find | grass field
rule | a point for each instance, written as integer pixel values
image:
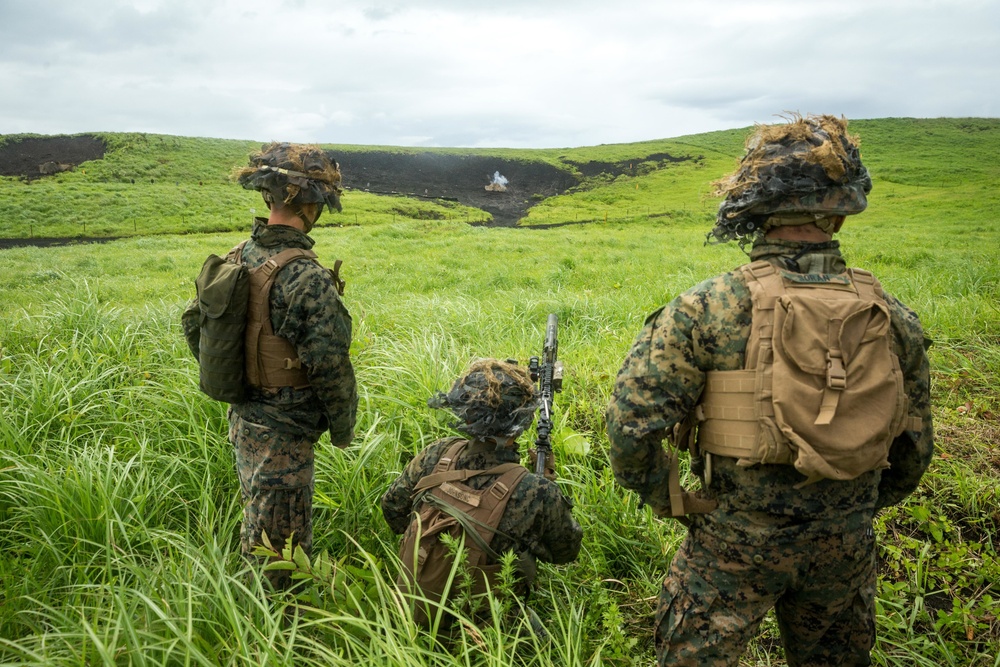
(119, 507)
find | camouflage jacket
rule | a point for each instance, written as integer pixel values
(305, 309)
(538, 517)
(662, 379)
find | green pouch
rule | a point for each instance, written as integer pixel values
(223, 292)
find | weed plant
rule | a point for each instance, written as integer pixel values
(119, 506)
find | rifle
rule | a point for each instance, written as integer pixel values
(548, 373)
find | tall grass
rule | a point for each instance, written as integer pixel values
(119, 503)
(119, 506)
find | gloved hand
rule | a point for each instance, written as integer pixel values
(550, 463)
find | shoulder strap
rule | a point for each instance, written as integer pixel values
(271, 360)
(496, 495)
(439, 478)
(444, 469)
(766, 287)
(269, 270)
(236, 254)
(447, 461)
(867, 284)
(338, 282)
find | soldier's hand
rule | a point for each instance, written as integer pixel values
(550, 463)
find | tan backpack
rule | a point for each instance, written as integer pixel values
(451, 507)
(821, 389)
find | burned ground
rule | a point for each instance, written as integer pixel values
(633, 166)
(30, 158)
(462, 178)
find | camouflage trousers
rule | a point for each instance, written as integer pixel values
(716, 594)
(275, 470)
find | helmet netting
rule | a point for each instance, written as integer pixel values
(809, 165)
(492, 398)
(294, 174)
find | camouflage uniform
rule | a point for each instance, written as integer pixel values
(273, 433)
(808, 552)
(538, 516)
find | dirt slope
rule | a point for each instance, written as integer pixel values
(460, 177)
(32, 157)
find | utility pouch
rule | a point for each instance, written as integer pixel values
(223, 292)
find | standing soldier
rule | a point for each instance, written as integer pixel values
(477, 486)
(801, 391)
(299, 381)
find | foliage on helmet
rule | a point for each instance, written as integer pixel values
(295, 174)
(809, 165)
(492, 398)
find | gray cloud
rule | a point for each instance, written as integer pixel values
(454, 73)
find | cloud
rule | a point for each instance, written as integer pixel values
(453, 73)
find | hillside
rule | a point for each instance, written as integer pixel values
(117, 176)
(124, 184)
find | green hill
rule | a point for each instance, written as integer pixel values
(154, 184)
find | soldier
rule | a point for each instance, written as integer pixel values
(802, 392)
(495, 402)
(300, 382)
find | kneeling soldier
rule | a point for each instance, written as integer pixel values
(476, 486)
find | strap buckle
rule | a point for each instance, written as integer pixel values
(499, 490)
(268, 267)
(836, 375)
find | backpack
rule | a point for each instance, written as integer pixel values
(237, 346)
(821, 388)
(450, 507)
(223, 286)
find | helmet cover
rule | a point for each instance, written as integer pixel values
(809, 167)
(295, 174)
(492, 398)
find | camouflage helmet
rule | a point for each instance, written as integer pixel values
(805, 170)
(295, 174)
(492, 398)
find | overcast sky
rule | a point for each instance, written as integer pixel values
(520, 73)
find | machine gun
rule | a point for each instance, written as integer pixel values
(547, 372)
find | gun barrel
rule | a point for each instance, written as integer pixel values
(551, 338)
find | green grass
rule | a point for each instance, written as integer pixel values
(119, 506)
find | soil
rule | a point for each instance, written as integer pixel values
(27, 158)
(461, 178)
